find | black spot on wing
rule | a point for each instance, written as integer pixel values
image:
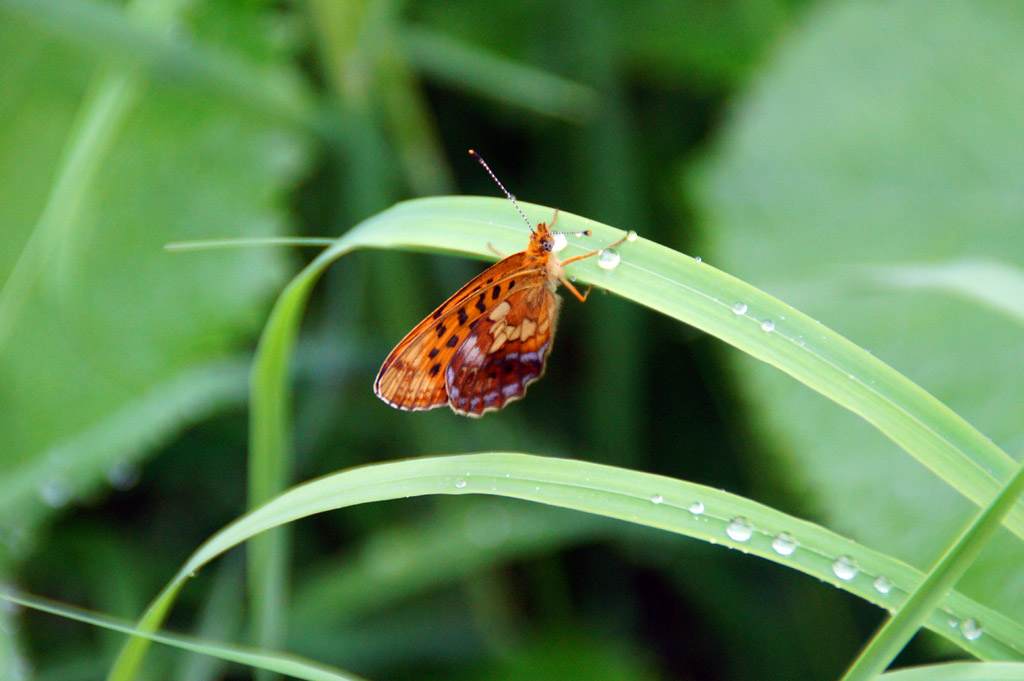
(453, 341)
(463, 317)
(481, 303)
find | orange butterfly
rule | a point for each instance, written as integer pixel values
(489, 341)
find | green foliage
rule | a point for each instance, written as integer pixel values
(885, 177)
(856, 160)
(108, 346)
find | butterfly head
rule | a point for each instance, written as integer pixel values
(542, 240)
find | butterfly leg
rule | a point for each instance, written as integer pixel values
(494, 250)
(592, 253)
(582, 297)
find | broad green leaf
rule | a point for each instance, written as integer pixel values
(880, 147)
(112, 344)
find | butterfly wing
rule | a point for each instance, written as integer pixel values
(506, 351)
(413, 377)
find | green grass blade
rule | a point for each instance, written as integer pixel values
(654, 501)
(960, 671)
(106, 107)
(897, 632)
(212, 244)
(270, 450)
(219, 619)
(284, 663)
(995, 284)
(104, 30)
(741, 315)
(467, 66)
(661, 279)
(270, 453)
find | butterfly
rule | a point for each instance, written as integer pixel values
(481, 349)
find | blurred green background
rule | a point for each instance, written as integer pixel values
(861, 160)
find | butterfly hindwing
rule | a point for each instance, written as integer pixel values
(505, 352)
(413, 375)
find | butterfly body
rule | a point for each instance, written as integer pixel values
(483, 346)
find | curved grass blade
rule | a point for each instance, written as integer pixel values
(664, 280)
(743, 316)
(897, 632)
(995, 284)
(283, 663)
(512, 83)
(654, 501)
(960, 671)
(104, 30)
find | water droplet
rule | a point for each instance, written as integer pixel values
(123, 475)
(953, 623)
(698, 258)
(560, 243)
(971, 629)
(740, 308)
(784, 544)
(697, 507)
(767, 325)
(845, 568)
(740, 529)
(460, 483)
(54, 493)
(882, 585)
(608, 259)
(631, 235)
(572, 279)
(657, 499)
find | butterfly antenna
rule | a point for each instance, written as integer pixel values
(494, 177)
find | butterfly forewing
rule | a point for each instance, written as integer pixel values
(414, 376)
